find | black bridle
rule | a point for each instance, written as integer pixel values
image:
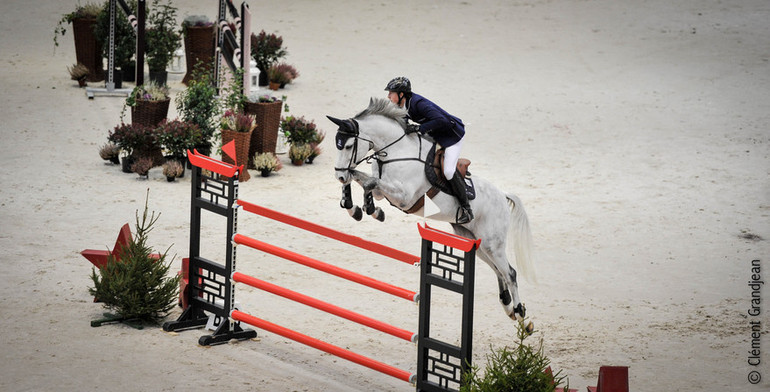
(350, 129)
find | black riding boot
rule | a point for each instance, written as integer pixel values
(464, 214)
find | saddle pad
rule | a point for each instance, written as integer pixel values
(436, 178)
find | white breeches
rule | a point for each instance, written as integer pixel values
(451, 155)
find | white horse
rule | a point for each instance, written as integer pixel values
(398, 167)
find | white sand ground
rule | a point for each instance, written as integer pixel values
(635, 132)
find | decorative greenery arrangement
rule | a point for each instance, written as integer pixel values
(162, 40)
(88, 11)
(172, 169)
(131, 137)
(266, 49)
(178, 136)
(521, 368)
(78, 72)
(267, 162)
(197, 104)
(238, 122)
(137, 286)
(298, 130)
(125, 37)
(110, 152)
(195, 21)
(262, 98)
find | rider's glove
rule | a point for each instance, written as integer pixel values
(412, 128)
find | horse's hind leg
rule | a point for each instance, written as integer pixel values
(493, 253)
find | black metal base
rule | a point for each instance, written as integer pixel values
(223, 334)
(189, 319)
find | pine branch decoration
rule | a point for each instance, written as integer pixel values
(137, 286)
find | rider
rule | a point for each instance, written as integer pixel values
(445, 129)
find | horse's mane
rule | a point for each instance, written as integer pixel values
(384, 107)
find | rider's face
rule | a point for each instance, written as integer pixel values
(393, 96)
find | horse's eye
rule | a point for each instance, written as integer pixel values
(349, 147)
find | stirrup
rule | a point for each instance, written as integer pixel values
(463, 215)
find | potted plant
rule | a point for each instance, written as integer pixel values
(315, 145)
(162, 40)
(149, 103)
(266, 49)
(267, 113)
(238, 127)
(88, 48)
(110, 152)
(125, 40)
(137, 141)
(299, 153)
(277, 78)
(142, 166)
(284, 73)
(177, 137)
(79, 72)
(172, 169)
(198, 104)
(267, 163)
(199, 43)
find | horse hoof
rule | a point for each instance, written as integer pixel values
(379, 214)
(529, 327)
(356, 213)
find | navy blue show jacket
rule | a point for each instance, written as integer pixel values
(443, 127)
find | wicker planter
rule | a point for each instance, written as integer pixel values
(88, 48)
(242, 140)
(149, 113)
(199, 46)
(268, 119)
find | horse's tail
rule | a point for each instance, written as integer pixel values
(520, 239)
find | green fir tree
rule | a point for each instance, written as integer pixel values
(518, 369)
(137, 286)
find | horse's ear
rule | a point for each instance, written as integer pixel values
(371, 101)
(336, 121)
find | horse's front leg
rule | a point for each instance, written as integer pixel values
(369, 184)
(347, 203)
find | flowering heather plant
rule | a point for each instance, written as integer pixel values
(142, 166)
(172, 169)
(238, 122)
(300, 152)
(288, 70)
(149, 91)
(267, 161)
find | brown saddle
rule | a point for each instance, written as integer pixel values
(438, 164)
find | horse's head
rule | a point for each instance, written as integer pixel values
(374, 128)
(351, 149)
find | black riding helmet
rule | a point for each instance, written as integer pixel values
(399, 85)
